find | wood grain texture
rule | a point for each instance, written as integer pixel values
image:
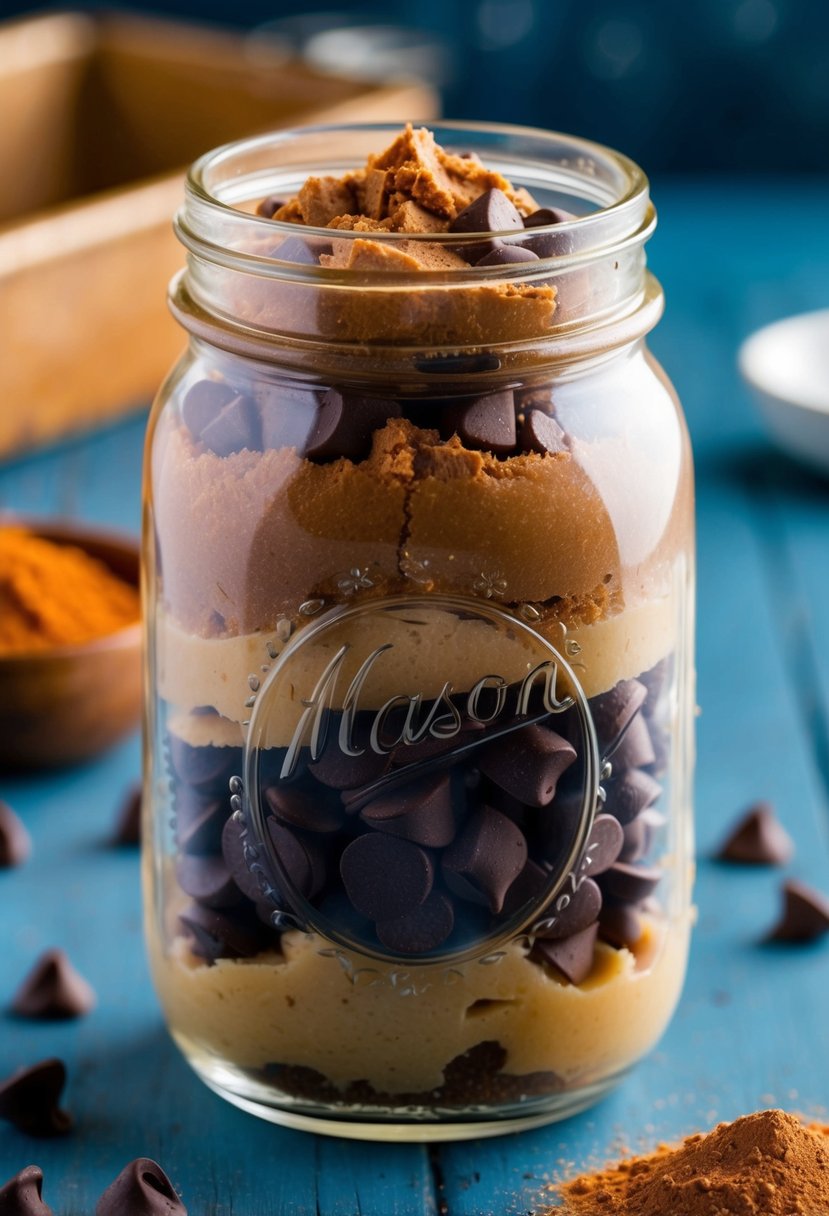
(751, 1028)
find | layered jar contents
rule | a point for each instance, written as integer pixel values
(420, 654)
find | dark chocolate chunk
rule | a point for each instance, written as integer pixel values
(506, 255)
(345, 424)
(203, 403)
(485, 423)
(805, 915)
(635, 750)
(128, 818)
(628, 795)
(246, 869)
(556, 829)
(141, 1189)
(235, 428)
(421, 812)
(207, 768)
(639, 835)
(269, 206)
(614, 711)
(199, 821)
(29, 1099)
(541, 433)
(620, 925)
(424, 929)
(571, 912)
(15, 842)
(456, 365)
(289, 415)
(630, 884)
(527, 763)
(604, 846)
(386, 877)
(301, 857)
(22, 1195)
(231, 933)
(758, 839)
(547, 215)
(430, 746)
(341, 772)
(300, 809)
(53, 989)
(489, 212)
(572, 956)
(486, 858)
(207, 880)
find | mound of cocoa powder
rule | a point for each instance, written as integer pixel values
(766, 1164)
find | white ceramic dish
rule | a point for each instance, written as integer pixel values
(787, 366)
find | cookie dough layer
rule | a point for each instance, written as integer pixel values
(192, 671)
(301, 1008)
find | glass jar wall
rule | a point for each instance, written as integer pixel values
(419, 572)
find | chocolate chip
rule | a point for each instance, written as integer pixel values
(485, 423)
(29, 1099)
(541, 433)
(547, 215)
(630, 884)
(527, 763)
(620, 925)
(571, 912)
(507, 255)
(341, 772)
(526, 888)
(572, 956)
(269, 206)
(128, 818)
(635, 750)
(300, 856)
(345, 425)
(490, 212)
(604, 845)
(235, 428)
(199, 821)
(232, 933)
(299, 809)
(15, 842)
(22, 1195)
(456, 365)
(424, 929)
(53, 989)
(628, 795)
(805, 915)
(613, 712)
(300, 252)
(758, 839)
(289, 415)
(639, 835)
(208, 768)
(421, 812)
(141, 1189)
(430, 747)
(207, 880)
(243, 860)
(386, 877)
(486, 858)
(203, 403)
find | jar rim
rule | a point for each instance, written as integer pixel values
(217, 182)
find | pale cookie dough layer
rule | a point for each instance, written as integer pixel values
(302, 1009)
(193, 671)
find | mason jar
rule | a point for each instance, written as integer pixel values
(419, 575)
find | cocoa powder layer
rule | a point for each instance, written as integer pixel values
(766, 1164)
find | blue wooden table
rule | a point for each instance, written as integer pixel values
(752, 1029)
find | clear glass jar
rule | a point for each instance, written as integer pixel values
(419, 584)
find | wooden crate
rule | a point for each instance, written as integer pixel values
(101, 115)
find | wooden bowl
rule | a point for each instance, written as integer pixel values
(70, 703)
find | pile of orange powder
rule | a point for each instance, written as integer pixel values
(57, 595)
